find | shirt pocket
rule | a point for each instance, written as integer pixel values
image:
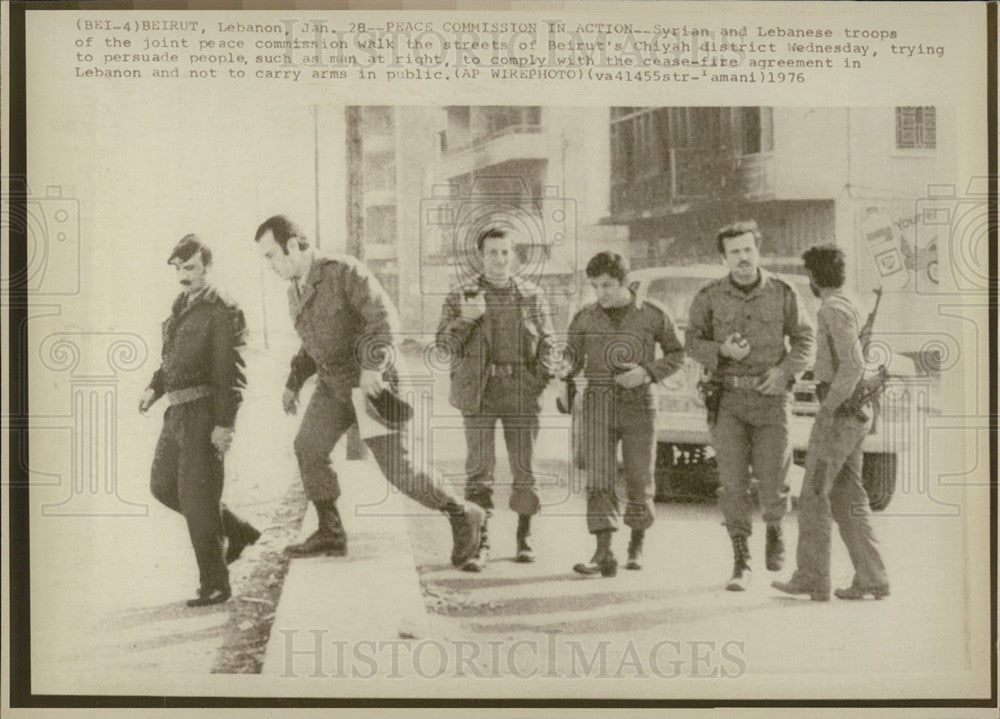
(725, 321)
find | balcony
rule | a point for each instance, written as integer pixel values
(513, 142)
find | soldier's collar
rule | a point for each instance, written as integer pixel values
(185, 301)
(315, 271)
(763, 280)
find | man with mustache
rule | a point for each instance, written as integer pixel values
(737, 330)
(203, 377)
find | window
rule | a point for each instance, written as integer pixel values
(916, 128)
(756, 130)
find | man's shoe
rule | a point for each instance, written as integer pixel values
(240, 542)
(467, 524)
(816, 595)
(606, 567)
(318, 544)
(635, 550)
(477, 562)
(207, 597)
(525, 555)
(741, 566)
(774, 552)
(854, 592)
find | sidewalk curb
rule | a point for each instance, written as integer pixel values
(372, 594)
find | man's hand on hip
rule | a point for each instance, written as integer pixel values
(775, 381)
(290, 401)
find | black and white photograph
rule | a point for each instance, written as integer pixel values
(496, 380)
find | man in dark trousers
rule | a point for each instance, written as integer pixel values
(344, 317)
(613, 341)
(832, 486)
(495, 328)
(737, 329)
(202, 375)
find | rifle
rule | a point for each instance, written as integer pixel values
(870, 386)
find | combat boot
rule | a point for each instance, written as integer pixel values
(635, 549)
(524, 552)
(329, 538)
(741, 565)
(603, 562)
(467, 522)
(774, 551)
(477, 561)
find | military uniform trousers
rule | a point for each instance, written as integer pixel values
(832, 488)
(751, 430)
(612, 415)
(329, 415)
(514, 402)
(187, 476)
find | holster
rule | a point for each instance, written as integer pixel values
(711, 390)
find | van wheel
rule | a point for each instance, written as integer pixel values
(878, 475)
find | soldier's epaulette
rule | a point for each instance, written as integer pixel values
(712, 284)
(782, 281)
(223, 299)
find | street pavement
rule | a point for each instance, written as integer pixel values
(108, 593)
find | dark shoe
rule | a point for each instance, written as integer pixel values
(606, 567)
(239, 542)
(774, 552)
(318, 544)
(467, 525)
(816, 595)
(525, 555)
(741, 566)
(635, 550)
(854, 592)
(207, 597)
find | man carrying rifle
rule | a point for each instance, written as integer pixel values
(832, 485)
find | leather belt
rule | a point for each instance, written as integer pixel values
(504, 370)
(189, 394)
(746, 381)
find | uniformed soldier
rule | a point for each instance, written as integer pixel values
(613, 341)
(832, 486)
(495, 328)
(343, 317)
(737, 329)
(202, 375)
